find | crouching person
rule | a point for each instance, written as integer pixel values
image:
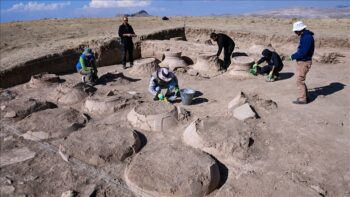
(86, 66)
(164, 79)
(273, 67)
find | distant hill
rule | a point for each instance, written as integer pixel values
(136, 14)
(140, 13)
(306, 12)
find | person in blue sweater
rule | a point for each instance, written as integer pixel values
(303, 56)
(164, 79)
(86, 66)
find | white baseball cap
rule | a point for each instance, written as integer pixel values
(163, 74)
(298, 26)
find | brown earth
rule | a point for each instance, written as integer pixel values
(294, 150)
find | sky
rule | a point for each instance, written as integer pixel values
(23, 10)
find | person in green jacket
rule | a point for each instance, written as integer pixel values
(86, 66)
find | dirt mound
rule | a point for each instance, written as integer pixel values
(172, 170)
(114, 101)
(154, 116)
(70, 96)
(207, 65)
(22, 107)
(144, 67)
(173, 61)
(223, 137)
(43, 80)
(56, 123)
(102, 144)
(261, 104)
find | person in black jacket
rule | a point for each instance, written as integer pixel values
(227, 43)
(126, 32)
(273, 67)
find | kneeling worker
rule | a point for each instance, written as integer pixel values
(273, 67)
(164, 79)
(87, 66)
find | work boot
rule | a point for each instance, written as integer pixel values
(299, 102)
(83, 79)
(131, 64)
(124, 66)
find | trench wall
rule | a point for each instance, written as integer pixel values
(109, 52)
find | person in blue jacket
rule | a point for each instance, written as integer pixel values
(303, 56)
(86, 66)
(164, 79)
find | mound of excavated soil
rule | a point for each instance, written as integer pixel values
(155, 116)
(76, 94)
(22, 107)
(173, 60)
(144, 67)
(102, 104)
(102, 144)
(43, 80)
(219, 136)
(154, 108)
(55, 122)
(172, 170)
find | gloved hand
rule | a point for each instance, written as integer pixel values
(270, 75)
(176, 90)
(253, 70)
(161, 97)
(270, 79)
(290, 57)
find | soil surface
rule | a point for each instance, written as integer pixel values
(294, 150)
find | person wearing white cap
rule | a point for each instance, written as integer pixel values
(86, 66)
(303, 56)
(164, 79)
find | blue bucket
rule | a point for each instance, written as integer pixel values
(187, 96)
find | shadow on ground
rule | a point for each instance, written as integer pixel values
(287, 75)
(325, 90)
(110, 77)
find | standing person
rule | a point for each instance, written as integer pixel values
(164, 79)
(126, 32)
(273, 67)
(86, 66)
(303, 56)
(224, 41)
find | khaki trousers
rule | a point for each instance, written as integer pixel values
(302, 69)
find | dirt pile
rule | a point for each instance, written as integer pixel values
(108, 104)
(223, 137)
(144, 67)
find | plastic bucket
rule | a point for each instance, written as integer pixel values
(187, 96)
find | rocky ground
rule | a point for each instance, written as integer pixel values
(59, 136)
